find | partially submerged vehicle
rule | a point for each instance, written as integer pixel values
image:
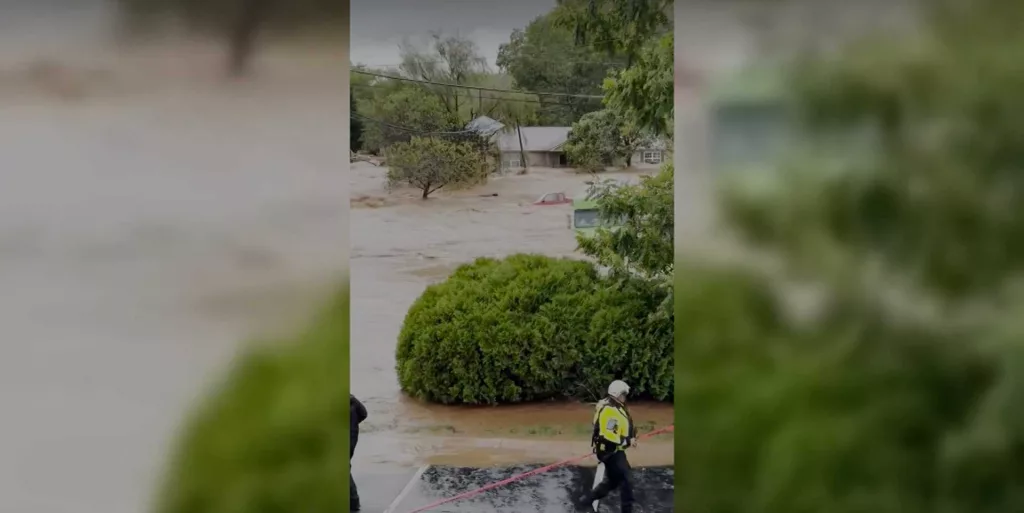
(553, 198)
(585, 218)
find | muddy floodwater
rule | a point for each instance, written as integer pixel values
(401, 244)
(148, 226)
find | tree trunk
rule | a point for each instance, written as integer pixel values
(243, 34)
(426, 192)
(629, 159)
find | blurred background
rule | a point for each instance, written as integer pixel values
(172, 185)
(848, 256)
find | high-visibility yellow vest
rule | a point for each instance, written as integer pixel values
(611, 427)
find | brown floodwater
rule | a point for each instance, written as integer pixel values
(399, 245)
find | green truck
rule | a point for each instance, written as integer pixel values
(584, 219)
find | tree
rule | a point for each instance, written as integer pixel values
(508, 108)
(529, 328)
(644, 93)
(602, 138)
(400, 114)
(594, 141)
(431, 163)
(615, 27)
(238, 22)
(450, 60)
(355, 126)
(643, 243)
(544, 57)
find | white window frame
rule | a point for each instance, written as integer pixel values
(510, 163)
(655, 156)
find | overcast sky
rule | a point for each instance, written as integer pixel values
(378, 26)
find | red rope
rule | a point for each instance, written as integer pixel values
(524, 475)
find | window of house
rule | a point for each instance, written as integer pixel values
(513, 163)
(652, 157)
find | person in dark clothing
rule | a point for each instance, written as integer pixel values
(357, 414)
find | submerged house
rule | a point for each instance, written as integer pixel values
(542, 146)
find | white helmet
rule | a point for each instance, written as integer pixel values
(618, 388)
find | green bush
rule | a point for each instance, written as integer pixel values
(274, 436)
(529, 328)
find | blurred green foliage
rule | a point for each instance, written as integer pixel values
(865, 404)
(273, 437)
(531, 327)
(938, 202)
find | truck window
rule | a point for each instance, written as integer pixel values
(586, 218)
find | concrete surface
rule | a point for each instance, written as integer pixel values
(550, 492)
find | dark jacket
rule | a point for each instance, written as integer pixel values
(357, 414)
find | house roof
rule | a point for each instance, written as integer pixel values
(535, 138)
(484, 125)
(657, 144)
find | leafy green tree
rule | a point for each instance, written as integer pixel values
(615, 27)
(355, 126)
(401, 114)
(643, 243)
(531, 327)
(594, 141)
(431, 163)
(509, 108)
(545, 57)
(601, 139)
(644, 93)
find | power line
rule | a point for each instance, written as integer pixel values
(407, 129)
(475, 88)
(440, 60)
(471, 96)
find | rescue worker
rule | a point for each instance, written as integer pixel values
(357, 414)
(614, 432)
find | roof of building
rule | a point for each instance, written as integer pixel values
(485, 126)
(535, 138)
(655, 145)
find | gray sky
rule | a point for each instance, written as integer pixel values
(378, 26)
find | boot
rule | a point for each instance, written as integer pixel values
(584, 504)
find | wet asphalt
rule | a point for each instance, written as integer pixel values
(550, 492)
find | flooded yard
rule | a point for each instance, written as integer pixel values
(401, 244)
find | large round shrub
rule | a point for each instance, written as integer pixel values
(531, 327)
(274, 436)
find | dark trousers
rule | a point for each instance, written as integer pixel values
(617, 474)
(353, 492)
